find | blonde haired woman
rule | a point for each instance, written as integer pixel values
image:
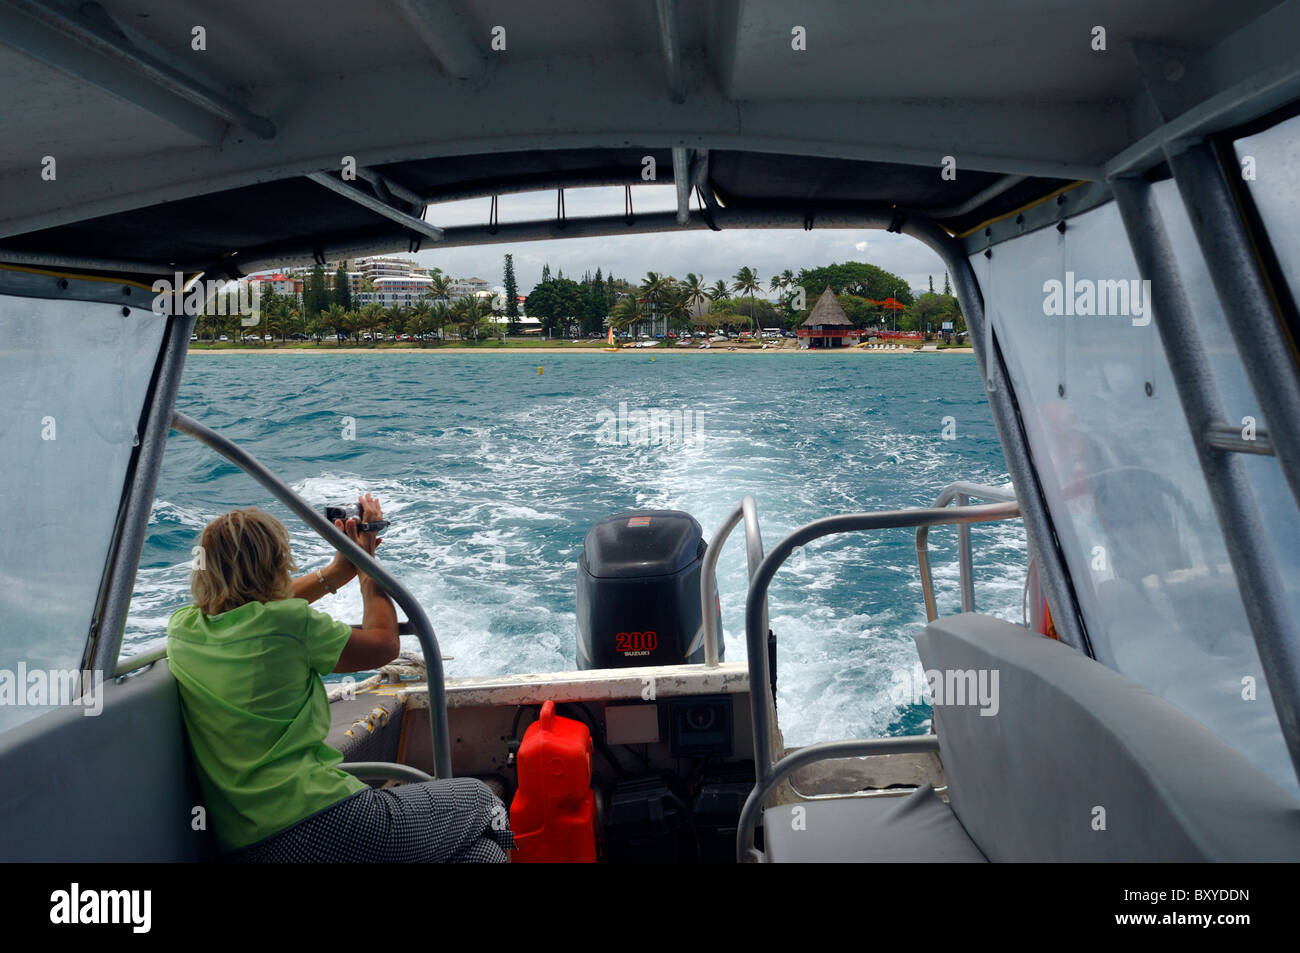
(249, 656)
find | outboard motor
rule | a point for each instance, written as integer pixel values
(639, 591)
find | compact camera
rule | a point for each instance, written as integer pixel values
(353, 511)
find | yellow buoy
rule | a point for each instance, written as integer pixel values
(652, 358)
(539, 369)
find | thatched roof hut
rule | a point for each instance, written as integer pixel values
(827, 313)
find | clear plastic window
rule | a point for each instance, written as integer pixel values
(73, 379)
(1121, 474)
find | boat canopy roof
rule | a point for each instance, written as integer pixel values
(222, 137)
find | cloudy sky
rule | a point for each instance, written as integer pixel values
(715, 255)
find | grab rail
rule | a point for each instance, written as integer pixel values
(961, 493)
(133, 662)
(747, 509)
(362, 560)
(766, 774)
(825, 751)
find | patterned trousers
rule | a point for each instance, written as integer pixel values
(456, 821)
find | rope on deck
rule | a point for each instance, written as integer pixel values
(408, 666)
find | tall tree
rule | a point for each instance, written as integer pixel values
(512, 296)
(370, 317)
(694, 288)
(546, 272)
(931, 284)
(947, 285)
(440, 287)
(336, 319)
(655, 289)
(746, 282)
(315, 297)
(342, 288)
(420, 320)
(395, 319)
(855, 278)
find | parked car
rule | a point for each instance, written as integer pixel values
(223, 338)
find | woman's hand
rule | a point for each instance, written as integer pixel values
(370, 513)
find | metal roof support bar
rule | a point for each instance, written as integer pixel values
(383, 184)
(133, 522)
(115, 265)
(444, 27)
(60, 38)
(1003, 184)
(671, 44)
(358, 557)
(1263, 593)
(1249, 301)
(682, 162)
(418, 225)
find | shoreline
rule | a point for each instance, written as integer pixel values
(654, 352)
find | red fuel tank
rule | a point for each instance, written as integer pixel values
(553, 814)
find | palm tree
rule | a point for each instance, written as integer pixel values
(787, 283)
(468, 313)
(335, 318)
(678, 304)
(370, 317)
(718, 292)
(395, 319)
(694, 288)
(627, 311)
(440, 315)
(746, 282)
(778, 283)
(421, 320)
(654, 287)
(440, 286)
(277, 322)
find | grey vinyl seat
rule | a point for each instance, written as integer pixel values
(917, 827)
(1076, 764)
(117, 786)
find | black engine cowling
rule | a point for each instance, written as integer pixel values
(639, 591)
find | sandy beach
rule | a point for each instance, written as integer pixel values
(653, 352)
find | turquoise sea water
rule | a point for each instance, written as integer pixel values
(493, 473)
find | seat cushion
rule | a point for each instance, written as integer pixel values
(917, 828)
(1070, 761)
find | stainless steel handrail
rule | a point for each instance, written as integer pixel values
(761, 713)
(748, 510)
(364, 563)
(826, 751)
(383, 771)
(961, 492)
